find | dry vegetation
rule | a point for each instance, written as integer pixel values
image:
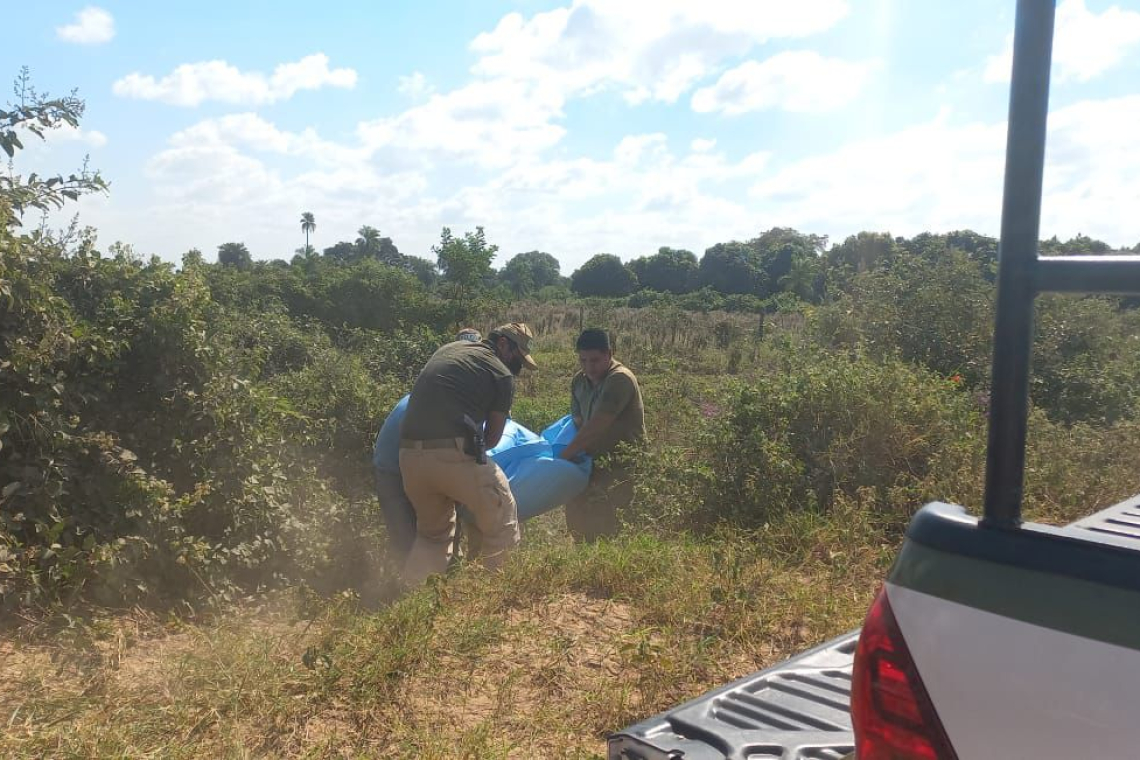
(543, 660)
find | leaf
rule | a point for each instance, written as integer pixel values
(10, 489)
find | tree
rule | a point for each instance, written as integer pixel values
(192, 258)
(670, 270)
(424, 270)
(730, 268)
(529, 272)
(1081, 245)
(343, 251)
(372, 245)
(804, 279)
(981, 249)
(308, 224)
(369, 239)
(779, 250)
(234, 255)
(36, 113)
(465, 262)
(758, 266)
(863, 252)
(604, 275)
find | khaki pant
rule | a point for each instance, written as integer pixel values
(593, 514)
(435, 480)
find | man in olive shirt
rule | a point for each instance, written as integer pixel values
(605, 401)
(399, 516)
(438, 466)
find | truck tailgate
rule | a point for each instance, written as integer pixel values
(797, 710)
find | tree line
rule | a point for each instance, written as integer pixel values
(780, 266)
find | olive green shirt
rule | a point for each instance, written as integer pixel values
(619, 394)
(460, 378)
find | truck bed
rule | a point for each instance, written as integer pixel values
(798, 709)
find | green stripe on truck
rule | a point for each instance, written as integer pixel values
(1050, 600)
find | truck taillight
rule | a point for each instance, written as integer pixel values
(892, 714)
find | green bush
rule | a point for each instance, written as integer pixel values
(1086, 358)
(156, 444)
(820, 426)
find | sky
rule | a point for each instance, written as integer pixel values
(574, 127)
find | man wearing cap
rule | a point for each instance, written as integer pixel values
(461, 381)
(605, 401)
(399, 517)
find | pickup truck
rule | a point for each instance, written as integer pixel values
(990, 638)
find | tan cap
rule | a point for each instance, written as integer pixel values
(522, 336)
(469, 334)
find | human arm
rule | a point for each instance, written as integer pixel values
(499, 411)
(616, 394)
(588, 436)
(575, 408)
(493, 429)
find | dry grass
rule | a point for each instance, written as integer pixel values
(542, 660)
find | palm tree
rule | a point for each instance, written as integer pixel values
(369, 240)
(308, 224)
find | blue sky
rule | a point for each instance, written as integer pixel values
(573, 127)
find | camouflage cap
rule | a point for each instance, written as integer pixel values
(522, 336)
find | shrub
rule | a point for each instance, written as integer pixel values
(827, 424)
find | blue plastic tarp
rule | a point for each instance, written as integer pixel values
(540, 480)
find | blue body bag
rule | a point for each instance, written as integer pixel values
(540, 480)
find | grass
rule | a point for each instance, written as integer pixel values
(543, 659)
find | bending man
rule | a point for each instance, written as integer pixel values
(462, 380)
(399, 516)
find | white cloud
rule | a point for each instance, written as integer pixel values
(193, 83)
(641, 198)
(1092, 170)
(241, 177)
(238, 176)
(250, 131)
(90, 137)
(415, 86)
(529, 68)
(1085, 44)
(927, 177)
(702, 145)
(488, 122)
(940, 176)
(799, 80)
(63, 133)
(633, 46)
(93, 26)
